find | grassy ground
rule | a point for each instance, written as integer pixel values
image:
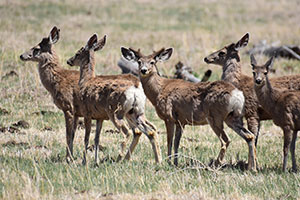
(32, 162)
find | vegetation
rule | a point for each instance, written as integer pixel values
(32, 160)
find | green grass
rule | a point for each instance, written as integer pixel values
(32, 162)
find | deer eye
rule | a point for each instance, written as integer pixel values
(36, 52)
(152, 62)
(139, 62)
(221, 54)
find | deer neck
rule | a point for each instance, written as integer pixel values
(87, 69)
(267, 96)
(152, 86)
(49, 69)
(232, 71)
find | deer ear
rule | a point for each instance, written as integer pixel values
(164, 55)
(269, 63)
(242, 42)
(253, 61)
(91, 42)
(128, 54)
(100, 44)
(54, 35)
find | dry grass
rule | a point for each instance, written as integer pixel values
(32, 162)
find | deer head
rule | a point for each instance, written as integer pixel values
(230, 51)
(260, 72)
(83, 55)
(147, 64)
(42, 51)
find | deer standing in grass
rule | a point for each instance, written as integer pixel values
(61, 83)
(180, 103)
(111, 97)
(228, 57)
(282, 105)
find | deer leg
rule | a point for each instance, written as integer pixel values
(136, 137)
(286, 145)
(253, 124)
(236, 124)
(69, 132)
(121, 126)
(218, 128)
(97, 136)
(170, 134)
(292, 149)
(87, 124)
(178, 134)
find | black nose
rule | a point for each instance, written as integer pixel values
(258, 81)
(69, 63)
(143, 71)
(205, 60)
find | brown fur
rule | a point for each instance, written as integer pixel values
(181, 103)
(107, 98)
(61, 83)
(228, 57)
(282, 105)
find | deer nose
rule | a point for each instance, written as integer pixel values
(258, 81)
(206, 60)
(143, 71)
(69, 63)
(21, 57)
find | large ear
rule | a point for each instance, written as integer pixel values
(129, 54)
(269, 63)
(100, 44)
(242, 42)
(54, 35)
(91, 42)
(253, 61)
(164, 55)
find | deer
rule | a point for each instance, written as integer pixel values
(111, 97)
(179, 103)
(61, 83)
(283, 105)
(228, 57)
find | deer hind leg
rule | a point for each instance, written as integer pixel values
(253, 124)
(178, 134)
(218, 128)
(286, 145)
(69, 135)
(293, 146)
(236, 123)
(146, 127)
(97, 136)
(120, 124)
(87, 124)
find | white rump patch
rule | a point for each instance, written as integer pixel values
(236, 102)
(135, 98)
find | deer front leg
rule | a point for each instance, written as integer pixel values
(87, 124)
(97, 136)
(178, 134)
(170, 134)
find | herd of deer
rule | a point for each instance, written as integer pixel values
(177, 102)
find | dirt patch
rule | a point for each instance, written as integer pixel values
(21, 124)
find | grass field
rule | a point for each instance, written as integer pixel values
(32, 160)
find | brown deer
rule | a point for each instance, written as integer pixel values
(283, 106)
(114, 98)
(180, 103)
(228, 57)
(61, 83)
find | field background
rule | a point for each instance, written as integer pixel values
(32, 164)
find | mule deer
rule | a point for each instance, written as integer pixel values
(283, 106)
(180, 103)
(61, 83)
(113, 97)
(228, 57)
